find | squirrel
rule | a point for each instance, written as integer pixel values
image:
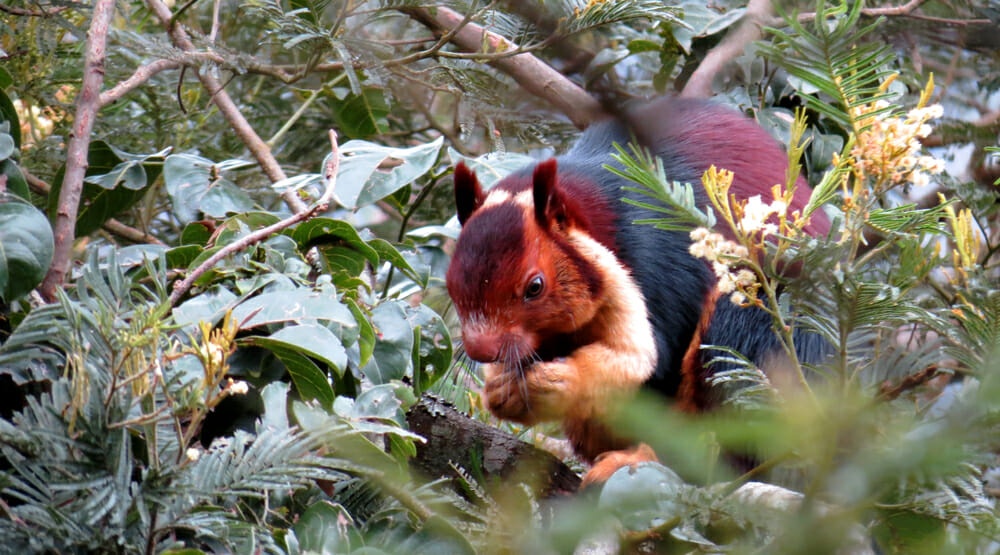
(571, 307)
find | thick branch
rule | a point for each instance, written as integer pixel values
(79, 144)
(455, 440)
(258, 148)
(534, 75)
(731, 47)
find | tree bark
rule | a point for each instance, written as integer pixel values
(485, 452)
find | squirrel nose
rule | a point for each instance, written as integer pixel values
(481, 347)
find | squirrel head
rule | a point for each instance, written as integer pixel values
(520, 286)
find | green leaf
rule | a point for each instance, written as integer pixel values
(16, 183)
(642, 495)
(196, 186)
(7, 146)
(491, 168)
(208, 306)
(327, 527)
(358, 181)
(343, 250)
(26, 247)
(98, 204)
(128, 174)
(366, 333)
(9, 114)
(433, 348)
(388, 252)
(391, 359)
(292, 306)
(359, 116)
(311, 382)
(275, 397)
(313, 340)
(196, 233)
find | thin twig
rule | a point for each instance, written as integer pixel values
(330, 173)
(32, 13)
(142, 74)
(79, 143)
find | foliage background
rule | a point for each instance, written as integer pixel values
(214, 319)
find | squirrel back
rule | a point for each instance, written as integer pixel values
(569, 303)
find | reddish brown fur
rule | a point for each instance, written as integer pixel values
(691, 395)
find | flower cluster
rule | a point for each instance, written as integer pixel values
(887, 147)
(725, 256)
(756, 214)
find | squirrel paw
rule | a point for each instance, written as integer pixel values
(609, 462)
(537, 393)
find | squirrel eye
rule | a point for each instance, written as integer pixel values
(535, 287)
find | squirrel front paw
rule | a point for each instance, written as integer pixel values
(531, 394)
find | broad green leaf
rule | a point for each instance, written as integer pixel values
(128, 174)
(196, 233)
(275, 397)
(388, 252)
(292, 306)
(16, 183)
(359, 116)
(311, 382)
(358, 182)
(643, 495)
(432, 355)
(196, 186)
(391, 359)
(327, 527)
(208, 306)
(366, 333)
(97, 203)
(241, 225)
(316, 341)
(7, 146)
(9, 114)
(26, 247)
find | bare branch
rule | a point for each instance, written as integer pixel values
(32, 13)
(142, 74)
(258, 148)
(535, 76)
(76, 152)
(731, 47)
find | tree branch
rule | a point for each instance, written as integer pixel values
(731, 47)
(32, 13)
(257, 147)
(79, 143)
(535, 76)
(330, 173)
(142, 74)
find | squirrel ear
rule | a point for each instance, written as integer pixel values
(549, 206)
(469, 194)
